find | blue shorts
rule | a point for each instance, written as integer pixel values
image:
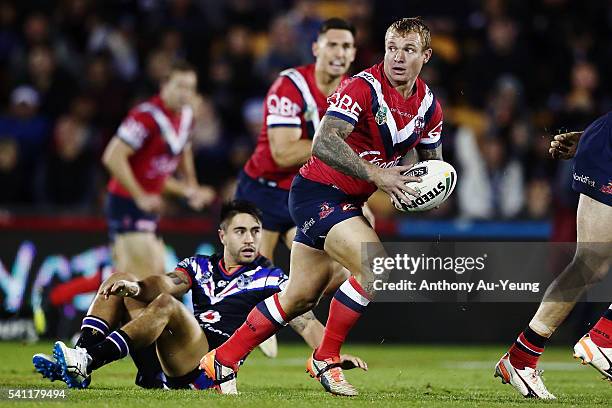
(593, 161)
(123, 215)
(316, 208)
(271, 201)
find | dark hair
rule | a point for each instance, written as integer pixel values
(412, 25)
(336, 23)
(178, 65)
(232, 208)
(181, 65)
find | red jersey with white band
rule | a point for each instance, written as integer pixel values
(386, 124)
(158, 137)
(293, 101)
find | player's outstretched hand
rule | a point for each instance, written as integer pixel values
(200, 196)
(150, 203)
(393, 182)
(349, 362)
(564, 146)
(121, 288)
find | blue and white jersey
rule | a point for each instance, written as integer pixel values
(222, 301)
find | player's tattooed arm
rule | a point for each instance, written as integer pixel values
(430, 154)
(309, 327)
(329, 146)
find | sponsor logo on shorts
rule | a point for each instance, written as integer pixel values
(145, 225)
(325, 210)
(306, 226)
(348, 207)
(210, 316)
(584, 179)
(607, 189)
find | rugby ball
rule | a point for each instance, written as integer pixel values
(438, 182)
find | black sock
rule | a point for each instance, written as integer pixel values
(534, 338)
(149, 373)
(116, 346)
(93, 331)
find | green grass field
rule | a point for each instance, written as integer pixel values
(399, 376)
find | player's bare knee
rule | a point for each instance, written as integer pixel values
(302, 302)
(593, 265)
(164, 303)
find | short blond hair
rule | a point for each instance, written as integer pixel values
(411, 25)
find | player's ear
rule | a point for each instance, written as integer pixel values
(315, 48)
(427, 54)
(221, 235)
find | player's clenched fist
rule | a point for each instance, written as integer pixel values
(564, 146)
(121, 288)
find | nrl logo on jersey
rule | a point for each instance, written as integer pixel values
(381, 116)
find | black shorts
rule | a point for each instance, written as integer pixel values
(593, 161)
(271, 201)
(316, 208)
(123, 215)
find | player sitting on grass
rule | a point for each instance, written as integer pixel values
(224, 290)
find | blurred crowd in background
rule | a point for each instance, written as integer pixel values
(509, 75)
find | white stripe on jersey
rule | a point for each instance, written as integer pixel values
(408, 130)
(132, 132)
(344, 112)
(175, 140)
(277, 120)
(311, 106)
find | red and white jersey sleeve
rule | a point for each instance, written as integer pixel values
(284, 104)
(350, 101)
(136, 128)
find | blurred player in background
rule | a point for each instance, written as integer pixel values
(225, 287)
(374, 119)
(151, 143)
(293, 109)
(592, 153)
